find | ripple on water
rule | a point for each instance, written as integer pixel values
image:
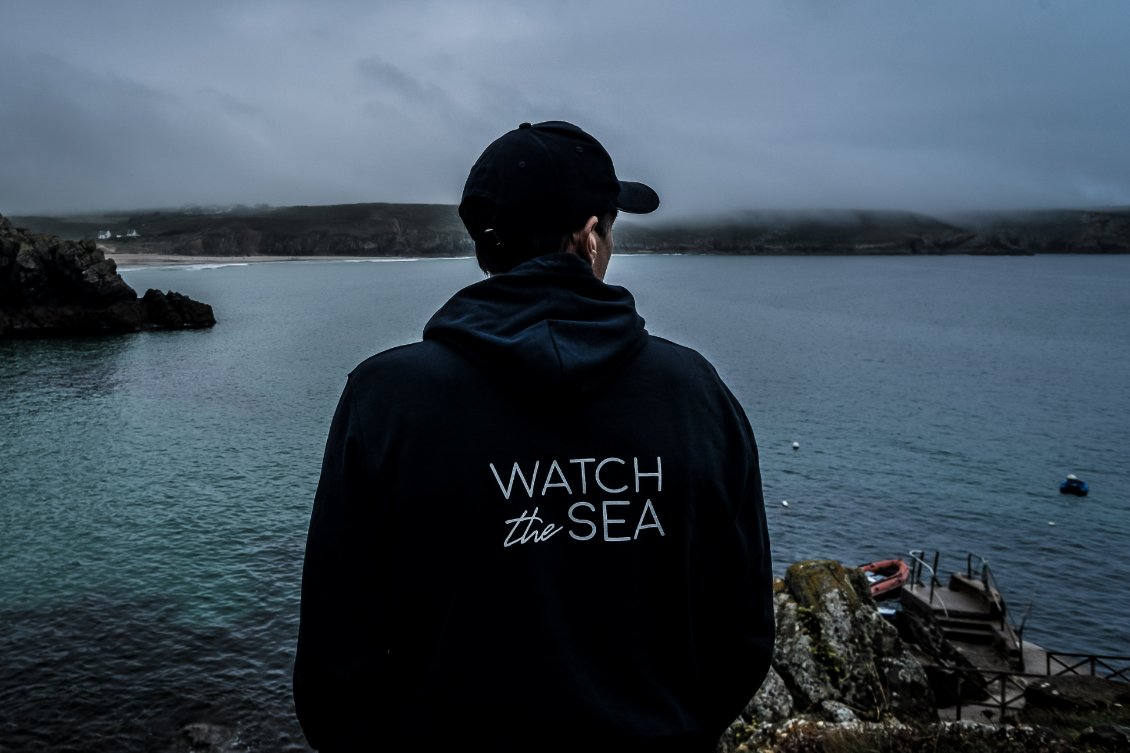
(128, 675)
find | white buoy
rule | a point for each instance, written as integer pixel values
(784, 503)
(796, 445)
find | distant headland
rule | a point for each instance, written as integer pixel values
(433, 230)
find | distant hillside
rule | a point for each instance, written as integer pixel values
(337, 230)
(889, 232)
(435, 230)
(801, 232)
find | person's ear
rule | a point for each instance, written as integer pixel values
(584, 241)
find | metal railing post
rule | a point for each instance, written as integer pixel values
(1004, 699)
(933, 578)
(960, 690)
(1020, 640)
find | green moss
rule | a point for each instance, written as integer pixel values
(822, 651)
(809, 581)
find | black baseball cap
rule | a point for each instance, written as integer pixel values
(546, 177)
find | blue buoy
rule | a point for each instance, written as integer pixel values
(1073, 485)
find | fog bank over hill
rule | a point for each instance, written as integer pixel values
(864, 231)
(431, 230)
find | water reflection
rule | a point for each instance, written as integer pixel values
(73, 366)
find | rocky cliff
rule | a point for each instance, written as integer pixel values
(844, 678)
(49, 286)
(836, 659)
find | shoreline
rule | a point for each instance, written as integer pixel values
(168, 260)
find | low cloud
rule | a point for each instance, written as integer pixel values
(727, 105)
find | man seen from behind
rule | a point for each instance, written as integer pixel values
(542, 527)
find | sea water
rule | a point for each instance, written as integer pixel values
(155, 488)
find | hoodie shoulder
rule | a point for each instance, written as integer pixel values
(680, 355)
(410, 360)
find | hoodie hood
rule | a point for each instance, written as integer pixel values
(549, 322)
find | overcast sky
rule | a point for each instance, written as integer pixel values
(928, 105)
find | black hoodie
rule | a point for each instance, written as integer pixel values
(540, 528)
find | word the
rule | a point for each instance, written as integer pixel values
(530, 527)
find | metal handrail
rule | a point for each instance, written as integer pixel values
(917, 562)
(989, 583)
(993, 592)
(969, 565)
(1002, 701)
(1093, 662)
(1008, 681)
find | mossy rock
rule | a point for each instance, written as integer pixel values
(808, 581)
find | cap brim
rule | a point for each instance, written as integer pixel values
(636, 198)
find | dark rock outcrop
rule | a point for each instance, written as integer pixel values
(1112, 737)
(49, 287)
(1077, 693)
(844, 678)
(834, 646)
(1098, 707)
(836, 659)
(204, 737)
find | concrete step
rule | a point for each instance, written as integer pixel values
(969, 630)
